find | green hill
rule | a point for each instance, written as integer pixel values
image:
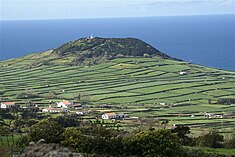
(127, 78)
(107, 48)
(86, 51)
(151, 86)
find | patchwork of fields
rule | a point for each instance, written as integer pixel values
(152, 84)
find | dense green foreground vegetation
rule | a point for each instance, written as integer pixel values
(95, 138)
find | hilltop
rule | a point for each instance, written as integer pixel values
(107, 48)
(91, 51)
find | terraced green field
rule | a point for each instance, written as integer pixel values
(148, 83)
(119, 81)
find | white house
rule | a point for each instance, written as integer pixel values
(64, 104)
(110, 115)
(183, 73)
(7, 104)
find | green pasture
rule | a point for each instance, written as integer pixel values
(122, 80)
(144, 87)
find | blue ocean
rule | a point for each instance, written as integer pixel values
(207, 40)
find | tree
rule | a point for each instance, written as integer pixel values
(153, 143)
(104, 142)
(17, 124)
(67, 121)
(182, 131)
(51, 95)
(230, 142)
(46, 129)
(212, 139)
(73, 138)
(164, 123)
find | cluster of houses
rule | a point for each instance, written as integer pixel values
(65, 106)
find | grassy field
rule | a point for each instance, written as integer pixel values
(6, 143)
(215, 150)
(151, 84)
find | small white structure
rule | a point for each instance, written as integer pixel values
(121, 116)
(90, 37)
(64, 104)
(183, 73)
(49, 109)
(110, 115)
(211, 115)
(76, 106)
(174, 126)
(54, 110)
(82, 112)
(7, 104)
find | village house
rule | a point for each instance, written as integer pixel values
(7, 104)
(110, 115)
(64, 104)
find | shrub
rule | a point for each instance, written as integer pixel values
(230, 142)
(47, 129)
(153, 143)
(212, 139)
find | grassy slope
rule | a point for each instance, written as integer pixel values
(137, 84)
(215, 150)
(126, 80)
(4, 145)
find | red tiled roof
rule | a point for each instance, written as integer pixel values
(66, 102)
(110, 114)
(8, 103)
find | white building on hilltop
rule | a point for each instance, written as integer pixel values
(91, 37)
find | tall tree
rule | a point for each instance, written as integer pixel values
(47, 129)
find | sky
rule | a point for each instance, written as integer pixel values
(68, 9)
